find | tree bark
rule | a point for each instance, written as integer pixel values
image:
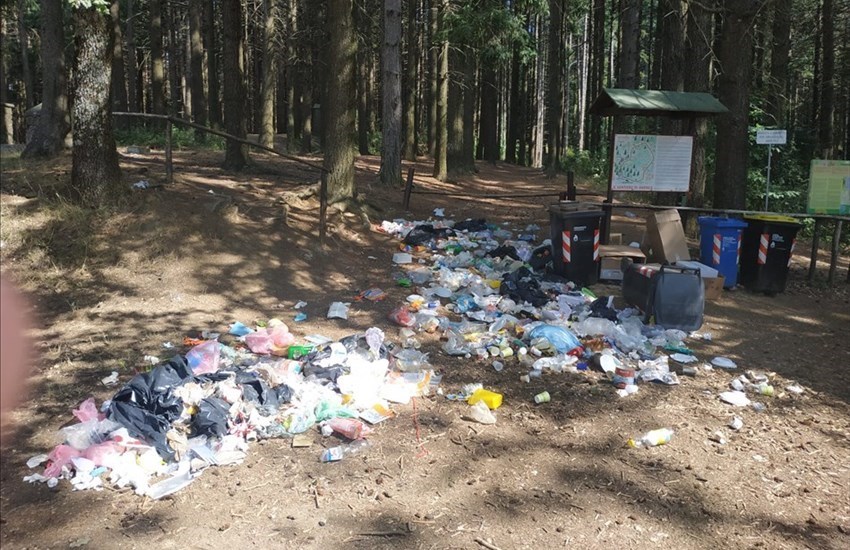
(133, 101)
(514, 110)
(455, 146)
(175, 96)
(26, 70)
(157, 66)
(441, 129)
(391, 94)
(305, 57)
(211, 49)
(827, 90)
(196, 64)
(270, 35)
(410, 72)
(292, 86)
(48, 136)
(489, 113)
(363, 59)
(236, 154)
(539, 96)
(470, 66)
(555, 89)
(735, 58)
(630, 44)
(779, 56)
(597, 73)
(435, 51)
(119, 79)
(95, 173)
(339, 144)
(697, 79)
(7, 131)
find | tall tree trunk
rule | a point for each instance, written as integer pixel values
(656, 18)
(539, 96)
(175, 97)
(26, 70)
(441, 129)
(410, 72)
(339, 115)
(211, 49)
(306, 78)
(779, 56)
(196, 64)
(827, 96)
(363, 57)
(585, 99)
(48, 136)
(391, 93)
(119, 79)
(514, 120)
(629, 44)
(95, 173)
(523, 126)
(157, 66)
(435, 51)
(697, 79)
(292, 85)
(735, 58)
(454, 147)
(555, 89)
(7, 131)
(236, 154)
(673, 30)
(133, 103)
(470, 66)
(489, 113)
(597, 70)
(816, 70)
(267, 130)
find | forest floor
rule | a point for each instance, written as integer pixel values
(110, 287)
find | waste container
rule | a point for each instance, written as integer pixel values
(575, 242)
(766, 250)
(673, 295)
(720, 246)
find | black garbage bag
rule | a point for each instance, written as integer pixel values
(599, 308)
(423, 233)
(504, 251)
(471, 225)
(211, 418)
(144, 425)
(257, 391)
(521, 285)
(540, 257)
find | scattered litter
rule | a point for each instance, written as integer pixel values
(300, 304)
(736, 398)
(402, 258)
(683, 358)
(142, 184)
(736, 423)
(110, 380)
(338, 310)
(300, 317)
(479, 412)
(718, 437)
(652, 438)
(724, 363)
(795, 389)
(439, 212)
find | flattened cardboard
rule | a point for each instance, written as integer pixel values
(665, 237)
(713, 287)
(611, 258)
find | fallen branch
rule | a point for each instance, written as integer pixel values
(486, 544)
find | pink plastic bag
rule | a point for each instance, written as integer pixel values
(349, 427)
(102, 452)
(204, 358)
(60, 456)
(87, 411)
(259, 342)
(281, 337)
(402, 316)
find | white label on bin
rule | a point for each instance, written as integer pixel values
(777, 238)
(580, 228)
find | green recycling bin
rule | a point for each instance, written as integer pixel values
(766, 249)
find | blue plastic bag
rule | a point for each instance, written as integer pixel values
(562, 339)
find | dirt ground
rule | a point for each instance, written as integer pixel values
(110, 287)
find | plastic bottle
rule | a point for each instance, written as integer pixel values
(653, 438)
(334, 454)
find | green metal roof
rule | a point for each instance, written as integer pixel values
(619, 101)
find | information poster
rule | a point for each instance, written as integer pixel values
(829, 187)
(652, 163)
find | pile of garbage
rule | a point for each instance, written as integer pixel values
(202, 408)
(486, 292)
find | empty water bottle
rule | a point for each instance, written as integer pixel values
(653, 438)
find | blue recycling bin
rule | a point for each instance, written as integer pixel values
(720, 246)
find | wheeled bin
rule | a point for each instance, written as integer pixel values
(720, 246)
(575, 242)
(674, 296)
(766, 250)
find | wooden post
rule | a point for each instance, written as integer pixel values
(571, 186)
(323, 207)
(609, 197)
(813, 262)
(833, 260)
(169, 168)
(408, 188)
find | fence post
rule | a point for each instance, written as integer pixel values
(571, 186)
(169, 168)
(408, 188)
(833, 260)
(813, 261)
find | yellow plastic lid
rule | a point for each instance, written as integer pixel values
(771, 218)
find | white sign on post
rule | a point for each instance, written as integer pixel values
(771, 137)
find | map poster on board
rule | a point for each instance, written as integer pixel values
(651, 163)
(829, 187)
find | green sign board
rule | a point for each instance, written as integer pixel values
(829, 187)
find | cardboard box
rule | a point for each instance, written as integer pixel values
(665, 237)
(713, 287)
(611, 260)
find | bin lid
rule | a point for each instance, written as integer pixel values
(716, 221)
(772, 218)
